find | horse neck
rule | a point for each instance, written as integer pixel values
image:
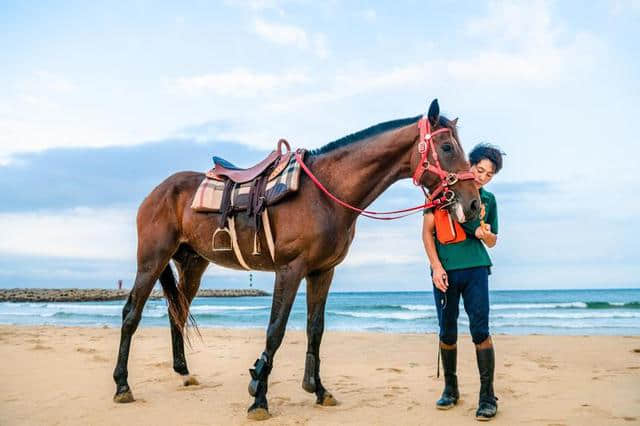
(358, 173)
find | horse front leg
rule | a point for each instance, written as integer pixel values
(317, 290)
(285, 289)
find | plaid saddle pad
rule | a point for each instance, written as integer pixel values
(208, 197)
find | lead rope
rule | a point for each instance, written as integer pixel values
(443, 302)
(368, 213)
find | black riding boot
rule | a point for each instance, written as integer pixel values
(450, 394)
(487, 405)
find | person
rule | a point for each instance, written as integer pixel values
(462, 269)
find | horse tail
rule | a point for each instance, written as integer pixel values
(178, 303)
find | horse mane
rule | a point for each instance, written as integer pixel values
(364, 134)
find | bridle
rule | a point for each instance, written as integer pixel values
(447, 179)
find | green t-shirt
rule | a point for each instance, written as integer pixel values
(471, 252)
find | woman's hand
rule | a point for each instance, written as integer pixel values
(439, 277)
(484, 233)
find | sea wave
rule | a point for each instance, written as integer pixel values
(405, 316)
(613, 305)
(570, 315)
(500, 324)
(217, 308)
(502, 306)
(561, 305)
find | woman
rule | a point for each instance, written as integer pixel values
(462, 269)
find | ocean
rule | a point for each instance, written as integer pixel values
(563, 312)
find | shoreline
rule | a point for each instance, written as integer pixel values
(105, 295)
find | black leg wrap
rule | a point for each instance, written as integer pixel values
(487, 405)
(450, 395)
(311, 366)
(259, 374)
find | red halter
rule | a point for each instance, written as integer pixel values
(447, 179)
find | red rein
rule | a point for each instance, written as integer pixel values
(446, 179)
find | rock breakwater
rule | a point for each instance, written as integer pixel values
(101, 294)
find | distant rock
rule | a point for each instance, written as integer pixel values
(101, 294)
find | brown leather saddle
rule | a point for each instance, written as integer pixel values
(225, 169)
(258, 177)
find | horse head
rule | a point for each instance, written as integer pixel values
(439, 163)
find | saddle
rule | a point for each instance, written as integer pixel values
(228, 190)
(226, 169)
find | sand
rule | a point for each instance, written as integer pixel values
(62, 375)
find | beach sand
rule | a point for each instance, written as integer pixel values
(62, 375)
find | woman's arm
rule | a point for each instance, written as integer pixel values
(439, 275)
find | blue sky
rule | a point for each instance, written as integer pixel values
(100, 102)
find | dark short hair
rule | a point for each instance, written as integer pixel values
(489, 152)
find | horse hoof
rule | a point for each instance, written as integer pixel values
(189, 380)
(258, 414)
(328, 400)
(124, 397)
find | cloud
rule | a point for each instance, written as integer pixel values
(82, 233)
(282, 34)
(239, 82)
(94, 177)
(369, 15)
(524, 43)
(520, 45)
(619, 7)
(385, 247)
(321, 46)
(53, 82)
(290, 35)
(257, 4)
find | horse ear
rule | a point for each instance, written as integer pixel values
(434, 112)
(454, 122)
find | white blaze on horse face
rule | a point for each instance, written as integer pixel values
(459, 212)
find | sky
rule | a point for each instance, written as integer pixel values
(100, 101)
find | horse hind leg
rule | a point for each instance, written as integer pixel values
(190, 267)
(152, 260)
(317, 290)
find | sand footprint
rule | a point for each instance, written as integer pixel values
(100, 358)
(392, 369)
(40, 347)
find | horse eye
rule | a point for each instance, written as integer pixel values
(447, 147)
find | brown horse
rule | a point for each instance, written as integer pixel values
(312, 236)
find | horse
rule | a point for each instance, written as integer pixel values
(312, 236)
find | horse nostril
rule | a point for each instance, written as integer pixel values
(474, 206)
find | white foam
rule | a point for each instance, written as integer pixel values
(571, 315)
(419, 307)
(538, 305)
(384, 315)
(217, 308)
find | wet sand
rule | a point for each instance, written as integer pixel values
(62, 375)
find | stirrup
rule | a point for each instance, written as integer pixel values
(221, 246)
